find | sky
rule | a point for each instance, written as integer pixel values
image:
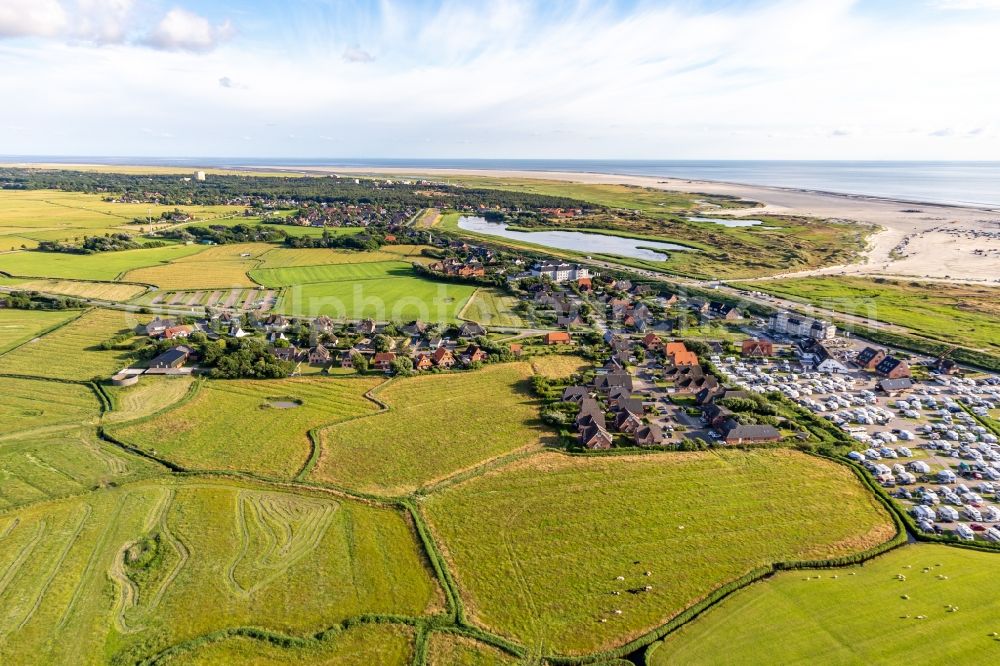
(557, 79)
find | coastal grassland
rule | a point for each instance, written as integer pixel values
(106, 266)
(436, 425)
(558, 366)
(58, 215)
(536, 547)
(448, 649)
(359, 645)
(108, 291)
(120, 575)
(18, 326)
(861, 614)
(955, 313)
(71, 351)
(216, 266)
(29, 404)
(492, 307)
(285, 257)
(149, 396)
(230, 425)
(352, 272)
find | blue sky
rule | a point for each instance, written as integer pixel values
(710, 79)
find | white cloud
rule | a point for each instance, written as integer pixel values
(102, 21)
(965, 4)
(357, 54)
(181, 30)
(31, 18)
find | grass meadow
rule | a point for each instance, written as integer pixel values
(537, 546)
(18, 326)
(115, 576)
(228, 425)
(492, 307)
(281, 257)
(436, 425)
(969, 314)
(216, 266)
(558, 366)
(446, 649)
(108, 291)
(71, 351)
(863, 614)
(152, 394)
(107, 266)
(360, 645)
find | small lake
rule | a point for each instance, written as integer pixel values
(595, 243)
(726, 221)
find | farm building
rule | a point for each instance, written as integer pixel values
(172, 358)
(734, 432)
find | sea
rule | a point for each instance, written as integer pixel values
(953, 183)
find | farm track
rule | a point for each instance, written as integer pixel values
(26, 550)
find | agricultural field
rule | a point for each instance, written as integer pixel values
(537, 547)
(492, 307)
(446, 649)
(30, 404)
(360, 645)
(952, 313)
(436, 425)
(863, 614)
(106, 266)
(217, 266)
(282, 257)
(248, 425)
(58, 215)
(119, 575)
(355, 271)
(18, 326)
(108, 291)
(152, 394)
(71, 351)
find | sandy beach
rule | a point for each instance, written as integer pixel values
(917, 240)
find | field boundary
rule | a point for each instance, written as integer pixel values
(45, 332)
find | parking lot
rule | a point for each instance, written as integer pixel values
(922, 444)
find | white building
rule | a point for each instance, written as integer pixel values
(803, 327)
(561, 272)
(199, 175)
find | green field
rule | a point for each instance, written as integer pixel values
(360, 645)
(282, 257)
(492, 307)
(101, 266)
(965, 314)
(149, 396)
(446, 649)
(121, 574)
(436, 425)
(71, 351)
(228, 425)
(536, 547)
(376, 270)
(215, 266)
(854, 616)
(17, 326)
(108, 291)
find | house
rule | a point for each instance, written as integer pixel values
(322, 325)
(695, 383)
(595, 437)
(894, 387)
(584, 283)
(627, 422)
(290, 353)
(652, 342)
(557, 338)
(570, 320)
(649, 435)
(561, 272)
(947, 366)
(474, 354)
(517, 349)
(685, 358)
(383, 360)
(605, 383)
(869, 357)
(177, 332)
(422, 362)
(734, 432)
(471, 329)
(347, 358)
(172, 358)
(590, 413)
(443, 358)
(276, 323)
(893, 368)
(365, 327)
(757, 349)
(698, 306)
(675, 347)
(616, 394)
(155, 328)
(319, 355)
(630, 405)
(724, 311)
(414, 328)
(716, 415)
(575, 394)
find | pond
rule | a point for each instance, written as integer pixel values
(595, 243)
(283, 403)
(726, 221)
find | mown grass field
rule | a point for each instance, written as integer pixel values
(966, 314)
(436, 425)
(58, 215)
(107, 266)
(108, 291)
(71, 351)
(558, 366)
(360, 645)
(854, 616)
(444, 649)
(376, 270)
(17, 326)
(537, 546)
(29, 404)
(149, 396)
(116, 576)
(492, 307)
(281, 257)
(216, 266)
(228, 425)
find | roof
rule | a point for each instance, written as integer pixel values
(888, 364)
(733, 429)
(685, 358)
(557, 336)
(895, 384)
(170, 357)
(867, 354)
